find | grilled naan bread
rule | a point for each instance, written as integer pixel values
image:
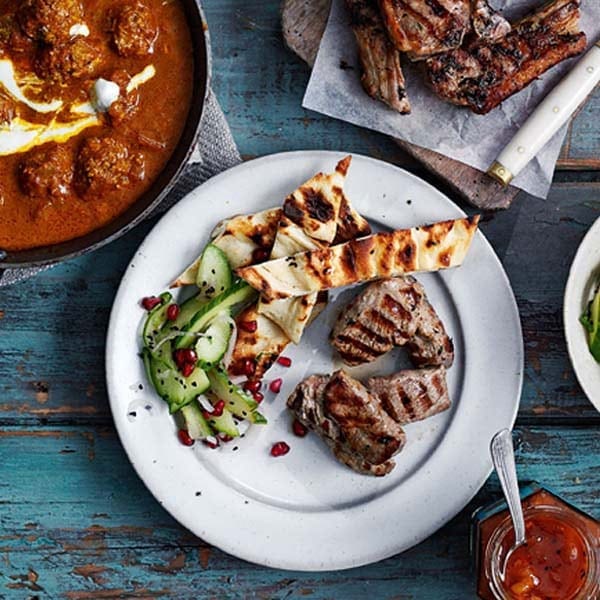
(238, 237)
(309, 222)
(428, 248)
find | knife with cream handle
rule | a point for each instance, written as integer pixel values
(551, 114)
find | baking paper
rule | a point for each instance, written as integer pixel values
(335, 90)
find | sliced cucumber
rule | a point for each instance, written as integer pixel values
(195, 423)
(173, 387)
(240, 403)
(157, 317)
(225, 423)
(214, 273)
(211, 347)
(258, 418)
(237, 294)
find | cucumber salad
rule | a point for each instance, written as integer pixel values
(185, 353)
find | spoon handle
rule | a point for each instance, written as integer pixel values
(503, 457)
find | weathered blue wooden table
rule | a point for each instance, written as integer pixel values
(76, 522)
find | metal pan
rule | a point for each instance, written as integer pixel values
(164, 183)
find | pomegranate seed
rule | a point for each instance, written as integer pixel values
(249, 326)
(173, 312)
(187, 369)
(207, 415)
(275, 385)
(225, 438)
(218, 408)
(178, 358)
(260, 255)
(258, 397)
(211, 444)
(151, 302)
(248, 367)
(299, 429)
(284, 361)
(253, 385)
(184, 438)
(280, 449)
(189, 356)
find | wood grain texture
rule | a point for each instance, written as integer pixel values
(78, 523)
(303, 24)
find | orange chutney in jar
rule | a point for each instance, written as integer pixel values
(559, 561)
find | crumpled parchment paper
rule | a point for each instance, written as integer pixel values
(334, 89)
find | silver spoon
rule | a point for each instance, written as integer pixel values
(503, 457)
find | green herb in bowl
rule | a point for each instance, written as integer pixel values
(590, 319)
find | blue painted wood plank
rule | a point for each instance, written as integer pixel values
(76, 521)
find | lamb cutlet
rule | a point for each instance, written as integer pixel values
(412, 395)
(388, 313)
(382, 76)
(426, 27)
(365, 437)
(483, 73)
(362, 425)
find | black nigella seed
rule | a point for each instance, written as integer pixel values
(140, 386)
(133, 413)
(198, 493)
(235, 448)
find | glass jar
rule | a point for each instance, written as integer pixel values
(550, 520)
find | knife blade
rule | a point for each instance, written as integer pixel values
(549, 116)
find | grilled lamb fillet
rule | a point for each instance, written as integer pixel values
(368, 430)
(426, 27)
(388, 313)
(484, 73)
(308, 403)
(382, 76)
(412, 395)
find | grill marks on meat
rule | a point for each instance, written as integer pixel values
(363, 425)
(382, 76)
(388, 313)
(309, 402)
(426, 27)
(367, 429)
(412, 395)
(485, 72)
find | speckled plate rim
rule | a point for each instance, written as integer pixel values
(342, 538)
(584, 272)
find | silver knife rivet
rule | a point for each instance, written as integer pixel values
(555, 109)
(590, 69)
(520, 149)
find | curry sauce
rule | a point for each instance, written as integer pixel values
(59, 51)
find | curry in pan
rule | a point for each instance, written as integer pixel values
(94, 95)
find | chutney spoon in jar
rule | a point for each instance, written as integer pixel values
(503, 457)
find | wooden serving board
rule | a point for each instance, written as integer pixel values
(303, 23)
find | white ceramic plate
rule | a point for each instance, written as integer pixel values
(583, 276)
(306, 511)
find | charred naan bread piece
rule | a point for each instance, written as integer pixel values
(429, 248)
(239, 237)
(482, 74)
(426, 27)
(309, 222)
(351, 225)
(264, 345)
(382, 76)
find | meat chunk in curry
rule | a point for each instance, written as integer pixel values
(49, 21)
(128, 103)
(74, 59)
(46, 172)
(104, 164)
(134, 30)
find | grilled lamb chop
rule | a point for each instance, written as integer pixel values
(488, 23)
(365, 438)
(388, 313)
(484, 73)
(426, 27)
(368, 430)
(412, 395)
(382, 76)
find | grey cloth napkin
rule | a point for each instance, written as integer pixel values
(216, 152)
